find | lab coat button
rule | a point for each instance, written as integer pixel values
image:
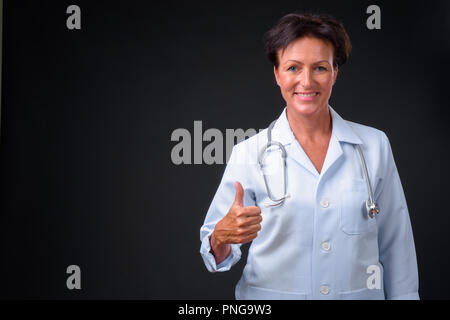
(324, 203)
(324, 289)
(325, 246)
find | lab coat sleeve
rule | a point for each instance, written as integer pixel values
(395, 236)
(219, 207)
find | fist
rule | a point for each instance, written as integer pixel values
(241, 224)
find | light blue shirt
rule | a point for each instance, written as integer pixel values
(320, 243)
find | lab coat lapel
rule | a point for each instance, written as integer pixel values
(334, 152)
(299, 155)
(341, 133)
(282, 132)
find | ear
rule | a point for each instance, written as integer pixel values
(335, 74)
(275, 72)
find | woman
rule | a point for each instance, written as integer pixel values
(319, 242)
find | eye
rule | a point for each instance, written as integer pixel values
(292, 68)
(320, 68)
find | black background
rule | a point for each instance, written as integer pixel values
(86, 174)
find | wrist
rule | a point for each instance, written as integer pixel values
(219, 250)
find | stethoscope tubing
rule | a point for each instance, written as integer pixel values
(371, 206)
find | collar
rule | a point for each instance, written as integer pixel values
(340, 129)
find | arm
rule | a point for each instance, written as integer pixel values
(217, 252)
(395, 237)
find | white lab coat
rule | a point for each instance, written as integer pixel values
(320, 243)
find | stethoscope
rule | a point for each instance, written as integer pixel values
(371, 205)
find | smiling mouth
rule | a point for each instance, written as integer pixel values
(307, 94)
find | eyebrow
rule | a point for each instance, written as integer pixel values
(313, 63)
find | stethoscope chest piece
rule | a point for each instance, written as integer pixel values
(372, 209)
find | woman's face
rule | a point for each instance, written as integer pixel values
(306, 75)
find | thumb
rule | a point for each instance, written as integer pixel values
(239, 198)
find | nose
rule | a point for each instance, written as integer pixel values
(306, 78)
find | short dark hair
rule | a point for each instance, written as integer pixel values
(297, 25)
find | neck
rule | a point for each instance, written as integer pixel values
(312, 128)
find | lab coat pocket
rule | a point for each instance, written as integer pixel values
(354, 219)
(362, 294)
(257, 293)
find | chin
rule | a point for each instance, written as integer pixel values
(305, 109)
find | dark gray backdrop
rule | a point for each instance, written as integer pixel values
(87, 116)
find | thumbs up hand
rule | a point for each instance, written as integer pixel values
(240, 225)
